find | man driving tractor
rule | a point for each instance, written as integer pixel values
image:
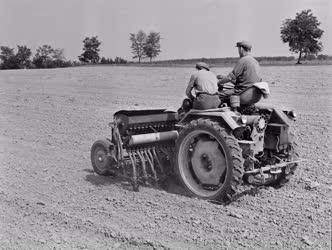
(245, 73)
(244, 76)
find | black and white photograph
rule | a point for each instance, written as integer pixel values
(154, 124)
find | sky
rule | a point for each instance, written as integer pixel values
(189, 28)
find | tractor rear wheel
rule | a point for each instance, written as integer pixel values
(100, 157)
(208, 161)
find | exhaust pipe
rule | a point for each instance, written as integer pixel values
(153, 137)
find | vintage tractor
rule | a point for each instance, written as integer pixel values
(212, 153)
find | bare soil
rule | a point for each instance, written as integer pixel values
(51, 199)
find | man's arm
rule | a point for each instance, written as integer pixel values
(232, 76)
(224, 79)
(190, 86)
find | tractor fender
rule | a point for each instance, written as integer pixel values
(227, 117)
(283, 116)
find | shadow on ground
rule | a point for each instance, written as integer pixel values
(168, 184)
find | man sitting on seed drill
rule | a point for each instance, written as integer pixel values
(245, 73)
(204, 84)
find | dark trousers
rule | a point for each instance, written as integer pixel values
(206, 101)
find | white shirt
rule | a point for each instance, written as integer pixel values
(203, 81)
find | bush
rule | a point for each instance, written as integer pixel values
(10, 60)
(47, 57)
(106, 61)
(322, 57)
(310, 57)
(119, 60)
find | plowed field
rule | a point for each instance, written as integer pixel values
(50, 197)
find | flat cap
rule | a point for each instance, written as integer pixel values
(201, 65)
(244, 44)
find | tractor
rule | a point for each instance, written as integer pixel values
(211, 153)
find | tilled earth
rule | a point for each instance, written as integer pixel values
(50, 197)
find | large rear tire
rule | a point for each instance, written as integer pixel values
(208, 161)
(100, 157)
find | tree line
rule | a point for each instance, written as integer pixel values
(45, 57)
(143, 46)
(301, 33)
(48, 57)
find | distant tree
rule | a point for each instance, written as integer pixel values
(302, 34)
(43, 57)
(152, 45)
(90, 50)
(103, 60)
(8, 58)
(58, 55)
(23, 56)
(310, 57)
(119, 60)
(322, 57)
(48, 57)
(6, 53)
(137, 44)
(59, 60)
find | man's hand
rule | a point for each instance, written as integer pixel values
(220, 86)
(219, 77)
(192, 94)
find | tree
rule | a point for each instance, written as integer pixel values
(137, 44)
(23, 56)
(103, 60)
(43, 57)
(119, 60)
(8, 58)
(48, 57)
(90, 50)
(57, 55)
(59, 60)
(322, 57)
(152, 45)
(302, 34)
